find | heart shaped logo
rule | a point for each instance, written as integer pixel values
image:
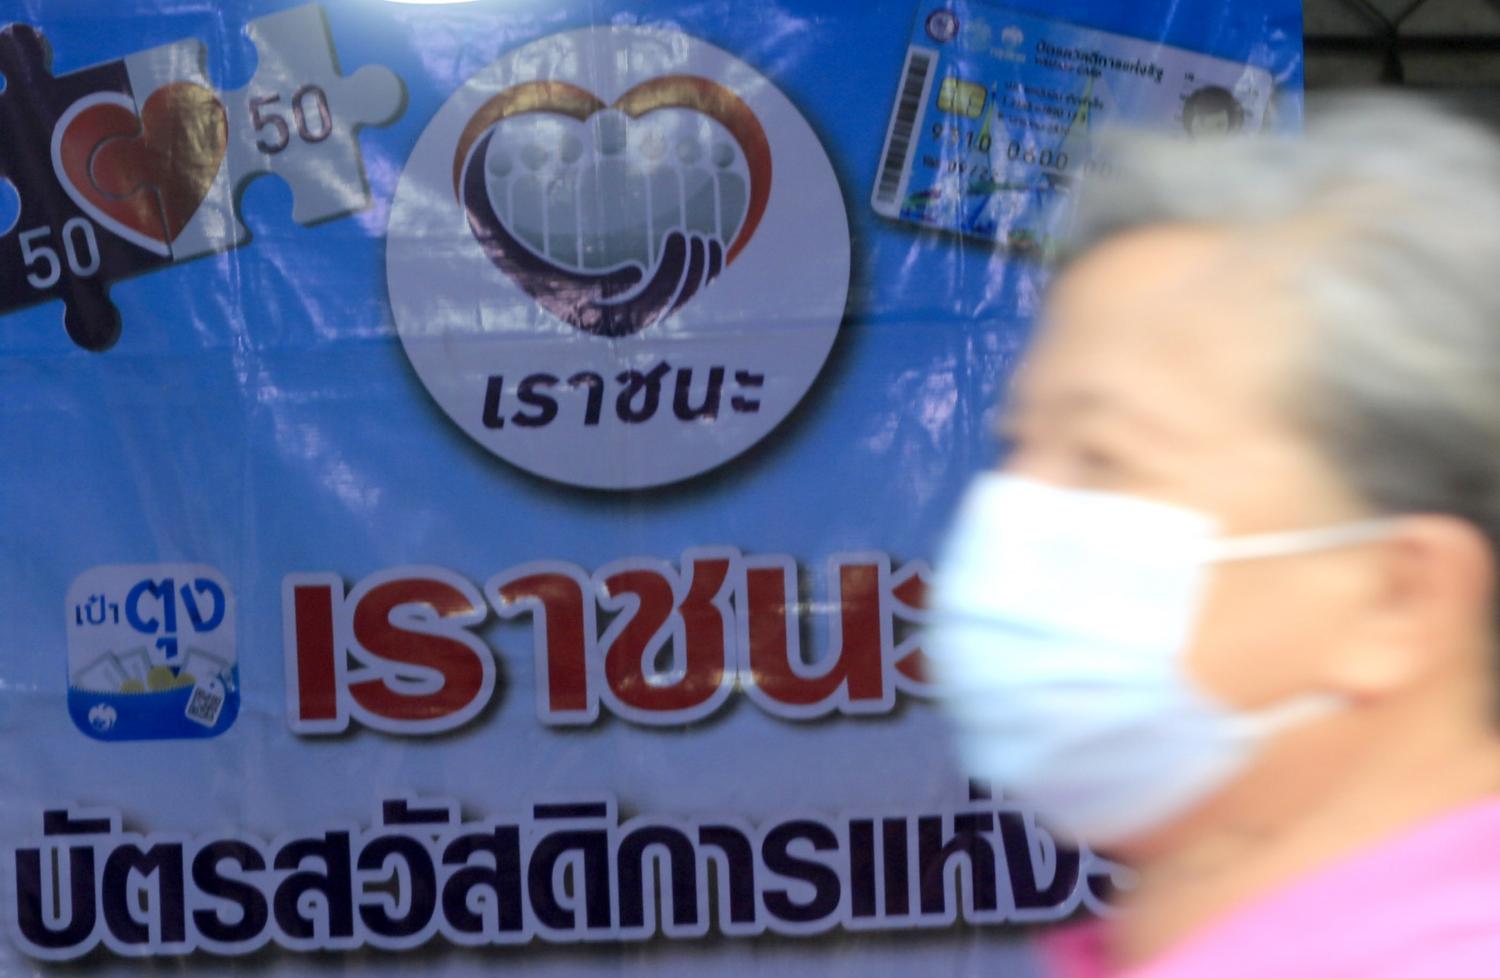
(591, 269)
(142, 177)
(612, 217)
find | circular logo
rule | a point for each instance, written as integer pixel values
(618, 257)
(1012, 37)
(942, 26)
(102, 717)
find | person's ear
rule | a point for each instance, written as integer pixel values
(1430, 600)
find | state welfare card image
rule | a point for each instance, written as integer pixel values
(996, 111)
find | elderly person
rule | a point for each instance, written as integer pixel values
(1227, 612)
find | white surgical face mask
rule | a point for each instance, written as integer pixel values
(1060, 618)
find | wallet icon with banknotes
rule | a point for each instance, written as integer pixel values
(151, 652)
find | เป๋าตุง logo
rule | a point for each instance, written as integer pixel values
(151, 652)
(618, 257)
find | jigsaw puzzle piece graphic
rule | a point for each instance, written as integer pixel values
(298, 118)
(137, 163)
(56, 250)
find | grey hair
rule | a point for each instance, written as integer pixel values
(1384, 218)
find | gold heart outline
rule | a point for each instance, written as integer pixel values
(664, 92)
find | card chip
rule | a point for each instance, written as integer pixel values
(908, 109)
(958, 97)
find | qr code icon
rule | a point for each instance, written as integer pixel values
(205, 704)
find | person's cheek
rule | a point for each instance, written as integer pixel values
(1257, 626)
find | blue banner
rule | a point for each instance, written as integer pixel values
(471, 469)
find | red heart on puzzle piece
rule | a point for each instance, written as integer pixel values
(146, 174)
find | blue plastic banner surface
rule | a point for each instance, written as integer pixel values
(471, 470)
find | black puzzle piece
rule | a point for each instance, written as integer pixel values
(30, 106)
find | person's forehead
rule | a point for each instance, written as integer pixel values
(1167, 263)
(1169, 312)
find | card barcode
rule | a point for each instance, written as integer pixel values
(908, 106)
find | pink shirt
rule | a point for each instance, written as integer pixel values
(1423, 905)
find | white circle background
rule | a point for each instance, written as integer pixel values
(775, 311)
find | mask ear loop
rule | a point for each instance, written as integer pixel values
(1311, 706)
(1269, 721)
(1293, 542)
